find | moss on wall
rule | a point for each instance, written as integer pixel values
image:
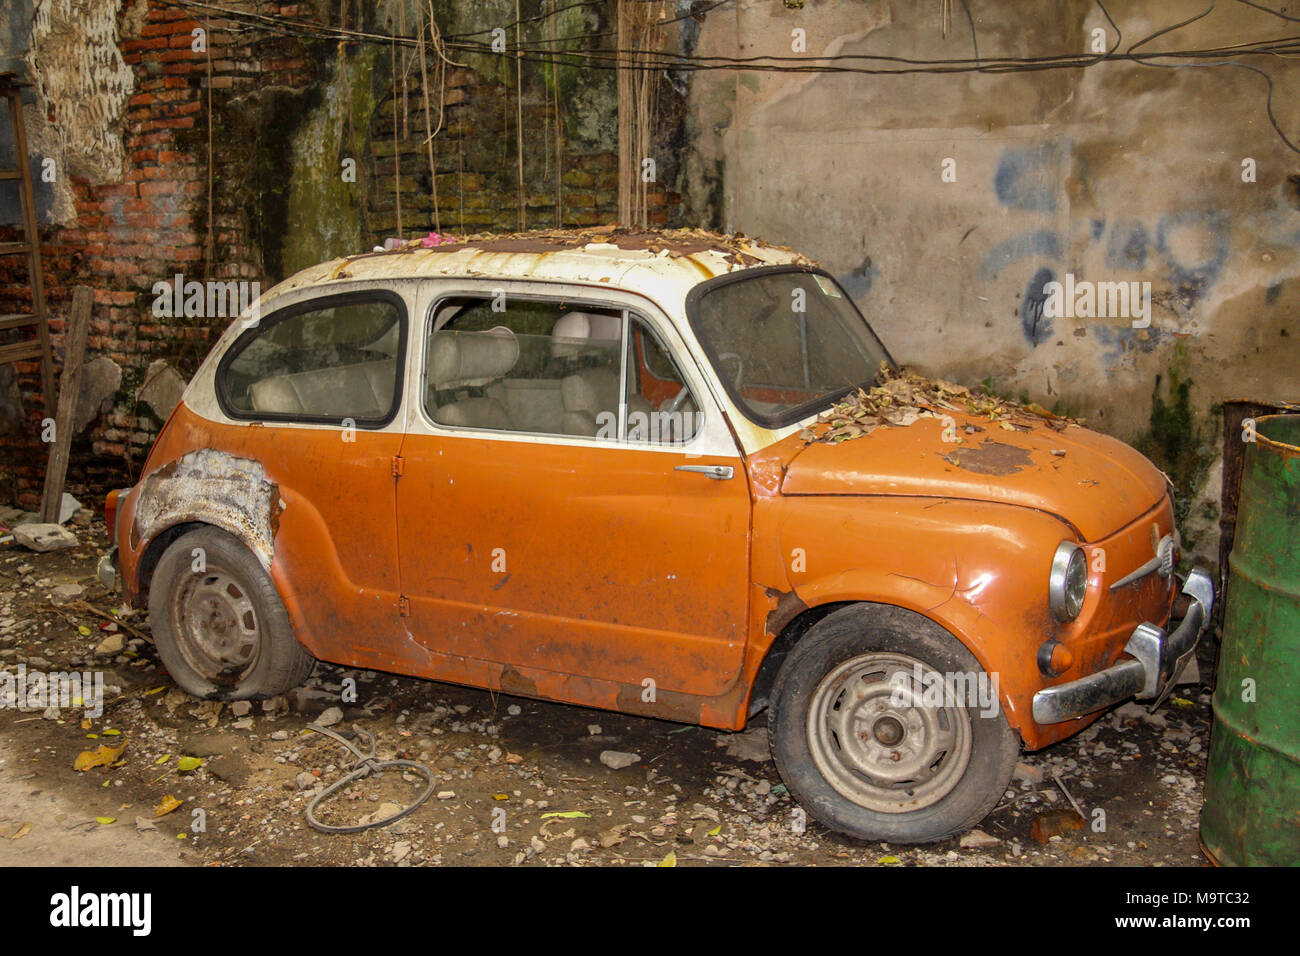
(1177, 439)
(324, 216)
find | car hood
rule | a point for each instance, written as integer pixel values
(1095, 483)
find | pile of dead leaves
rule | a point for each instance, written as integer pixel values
(901, 397)
(737, 246)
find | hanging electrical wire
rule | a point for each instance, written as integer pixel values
(546, 51)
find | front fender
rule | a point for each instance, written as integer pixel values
(977, 569)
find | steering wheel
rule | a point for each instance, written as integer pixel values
(740, 367)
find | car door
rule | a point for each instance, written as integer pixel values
(552, 517)
(317, 387)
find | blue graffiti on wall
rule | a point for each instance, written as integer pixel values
(1042, 244)
(1029, 176)
(1036, 326)
(1127, 246)
(1205, 231)
(858, 282)
(1191, 245)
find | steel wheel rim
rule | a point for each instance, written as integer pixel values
(216, 625)
(877, 742)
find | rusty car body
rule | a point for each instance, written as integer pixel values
(437, 461)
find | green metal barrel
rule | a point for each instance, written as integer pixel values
(1251, 815)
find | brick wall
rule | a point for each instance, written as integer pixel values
(152, 221)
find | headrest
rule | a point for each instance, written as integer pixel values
(462, 359)
(574, 331)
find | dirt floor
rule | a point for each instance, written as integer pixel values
(517, 781)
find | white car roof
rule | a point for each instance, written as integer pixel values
(661, 264)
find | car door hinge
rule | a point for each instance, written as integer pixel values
(403, 606)
(399, 466)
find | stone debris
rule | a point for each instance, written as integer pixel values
(161, 390)
(1054, 823)
(44, 537)
(751, 745)
(1028, 773)
(96, 388)
(66, 593)
(617, 759)
(110, 646)
(978, 840)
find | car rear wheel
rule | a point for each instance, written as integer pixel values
(218, 622)
(879, 731)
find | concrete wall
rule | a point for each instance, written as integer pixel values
(1115, 172)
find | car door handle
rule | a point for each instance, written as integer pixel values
(717, 472)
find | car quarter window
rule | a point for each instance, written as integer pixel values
(553, 368)
(328, 361)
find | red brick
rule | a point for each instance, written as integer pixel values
(149, 43)
(125, 190)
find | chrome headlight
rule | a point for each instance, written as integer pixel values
(1068, 582)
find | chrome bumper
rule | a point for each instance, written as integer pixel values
(1155, 660)
(106, 572)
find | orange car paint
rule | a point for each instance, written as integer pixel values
(619, 570)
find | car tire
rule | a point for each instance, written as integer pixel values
(913, 772)
(219, 624)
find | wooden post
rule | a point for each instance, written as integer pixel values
(78, 329)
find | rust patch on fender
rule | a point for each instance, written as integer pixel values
(666, 705)
(786, 606)
(218, 489)
(990, 458)
(513, 682)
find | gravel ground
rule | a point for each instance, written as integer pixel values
(517, 782)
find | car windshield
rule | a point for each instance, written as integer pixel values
(785, 343)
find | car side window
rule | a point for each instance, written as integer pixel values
(544, 367)
(661, 408)
(326, 362)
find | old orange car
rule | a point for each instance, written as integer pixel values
(607, 468)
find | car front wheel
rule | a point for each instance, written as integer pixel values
(884, 727)
(218, 622)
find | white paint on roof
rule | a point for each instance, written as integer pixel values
(664, 277)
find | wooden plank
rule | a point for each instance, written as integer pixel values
(20, 352)
(69, 386)
(31, 232)
(13, 248)
(17, 321)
